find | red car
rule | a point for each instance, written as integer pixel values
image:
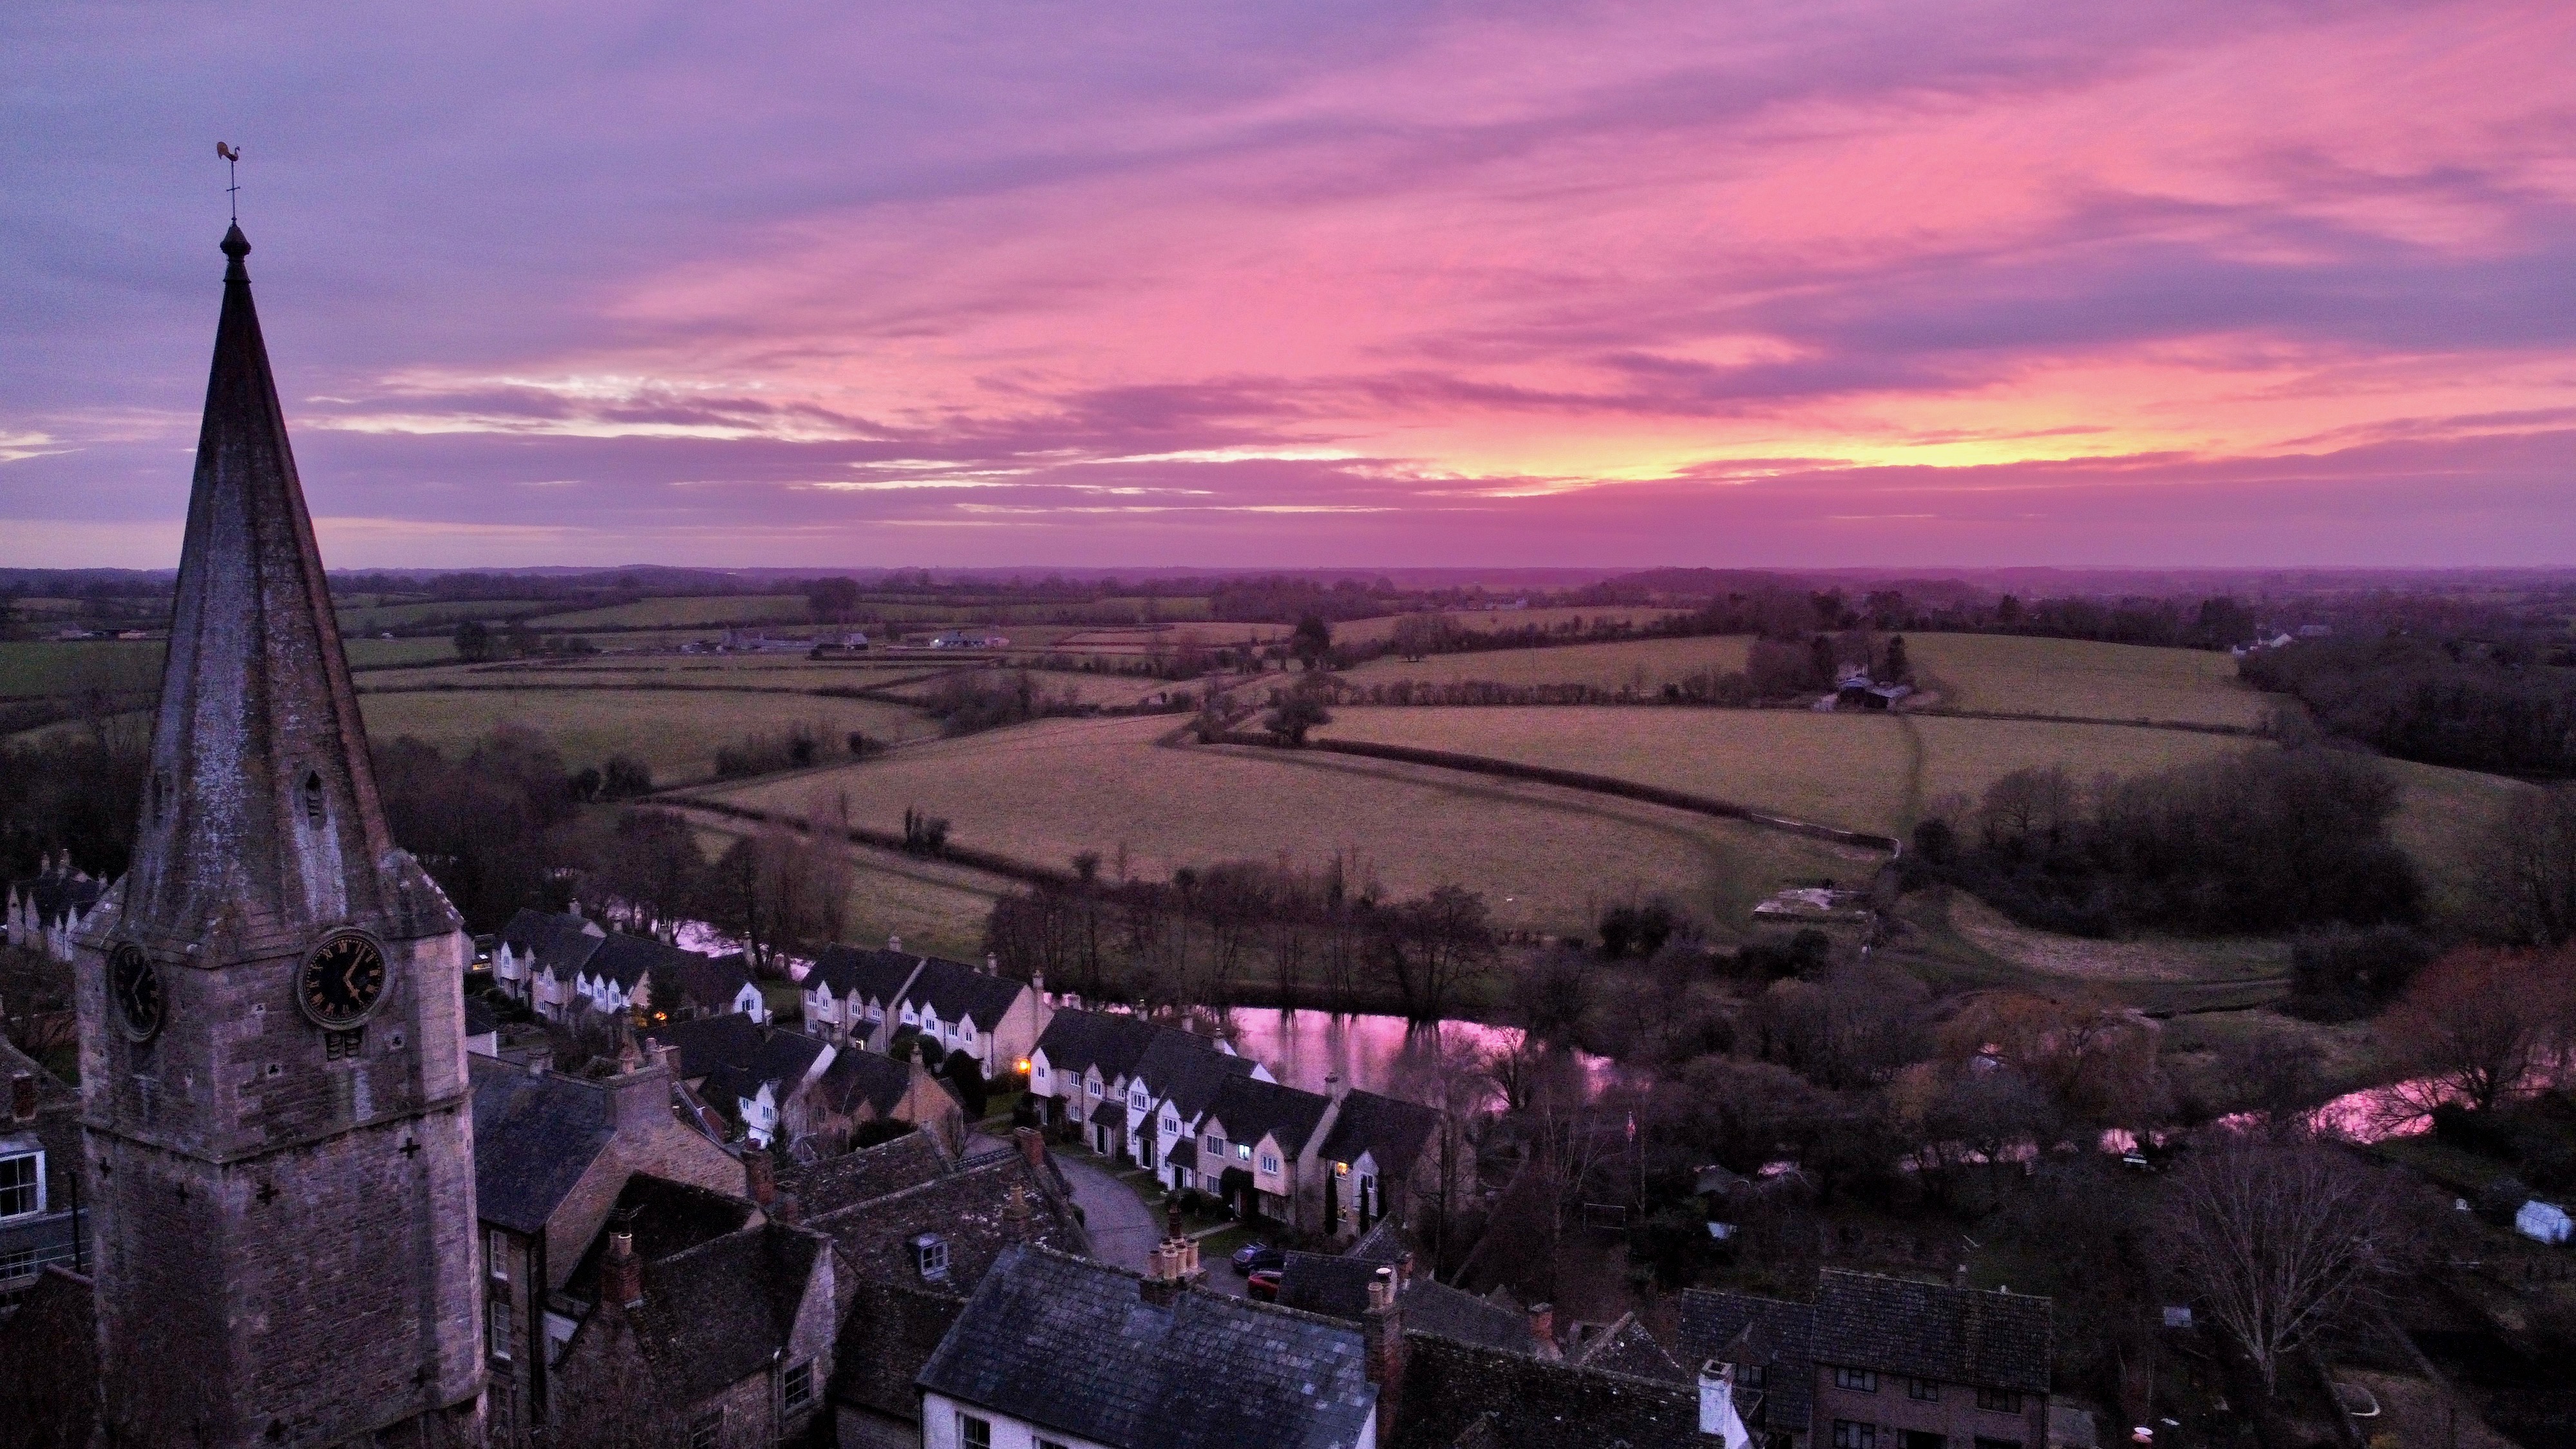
(1263, 1285)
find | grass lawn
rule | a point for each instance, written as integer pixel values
(677, 734)
(1543, 859)
(1644, 665)
(2080, 679)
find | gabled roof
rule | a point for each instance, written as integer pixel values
(534, 1138)
(720, 1312)
(561, 944)
(1388, 1128)
(1252, 1109)
(479, 1020)
(1077, 1041)
(1777, 1335)
(1186, 1069)
(959, 992)
(56, 897)
(968, 1208)
(866, 973)
(1933, 1331)
(835, 1183)
(627, 959)
(1336, 1284)
(1515, 1402)
(1626, 1347)
(666, 1218)
(710, 981)
(1434, 1307)
(1073, 1346)
(730, 1040)
(863, 1076)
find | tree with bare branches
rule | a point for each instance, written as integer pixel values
(2531, 866)
(2478, 1026)
(2278, 1238)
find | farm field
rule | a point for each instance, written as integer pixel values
(1645, 665)
(2443, 820)
(1966, 756)
(370, 618)
(1491, 621)
(937, 909)
(793, 671)
(1110, 691)
(1544, 859)
(2080, 679)
(34, 668)
(676, 733)
(711, 611)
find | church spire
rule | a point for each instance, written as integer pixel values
(261, 807)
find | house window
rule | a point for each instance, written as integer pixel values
(707, 1431)
(1138, 1100)
(22, 1185)
(799, 1390)
(1269, 1162)
(930, 1251)
(1051, 1444)
(1857, 1380)
(500, 1401)
(1215, 1144)
(1923, 1389)
(496, 1254)
(2002, 1401)
(974, 1433)
(1749, 1376)
(496, 1328)
(1095, 1088)
(1848, 1435)
(1243, 1152)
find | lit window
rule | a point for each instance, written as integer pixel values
(799, 1389)
(1857, 1380)
(974, 1433)
(2002, 1401)
(1848, 1435)
(1923, 1389)
(22, 1185)
(1243, 1152)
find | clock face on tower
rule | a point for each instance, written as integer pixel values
(341, 982)
(135, 988)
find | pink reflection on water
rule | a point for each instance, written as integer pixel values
(1374, 1053)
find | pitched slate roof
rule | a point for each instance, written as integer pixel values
(959, 992)
(1515, 1402)
(730, 1040)
(835, 1183)
(710, 981)
(864, 1076)
(865, 973)
(1187, 1069)
(720, 1312)
(780, 1059)
(534, 1137)
(626, 959)
(968, 1208)
(1251, 1109)
(479, 1020)
(1626, 1347)
(1390, 1129)
(559, 943)
(666, 1218)
(1778, 1336)
(1436, 1308)
(1933, 1331)
(1073, 1346)
(1336, 1284)
(56, 896)
(1076, 1041)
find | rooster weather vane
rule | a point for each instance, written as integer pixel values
(232, 173)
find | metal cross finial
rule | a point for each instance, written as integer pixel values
(232, 173)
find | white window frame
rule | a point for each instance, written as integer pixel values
(974, 1431)
(496, 1255)
(496, 1328)
(29, 1190)
(1270, 1163)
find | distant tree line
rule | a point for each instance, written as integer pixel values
(2263, 842)
(2499, 707)
(1216, 935)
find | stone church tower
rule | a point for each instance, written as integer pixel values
(272, 1051)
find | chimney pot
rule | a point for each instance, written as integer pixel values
(895, 944)
(992, 964)
(1542, 1322)
(1335, 1087)
(787, 1210)
(621, 1273)
(759, 1176)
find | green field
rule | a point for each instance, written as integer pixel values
(415, 615)
(675, 733)
(1643, 665)
(2079, 679)
(1544, 859)
(710, 612)
(29, 668)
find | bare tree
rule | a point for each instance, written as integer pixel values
(2532, 867)
(2279, 1238)
(2477, 1025)
(1433, 947)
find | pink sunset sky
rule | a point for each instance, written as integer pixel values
(1758, 282)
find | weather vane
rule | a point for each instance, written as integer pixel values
(232, 172)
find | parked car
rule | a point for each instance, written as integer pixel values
(1253, 1258)
(1263, 1285)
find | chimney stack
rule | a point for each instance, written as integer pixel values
(787, 1210)
(1382, 1334)
(1162, 1285)
(621, 1273)
(1542, 1322)
(22, 1096)
(1335, 1087)
(1032, 1146)
(992, 964)
(759, 1176)
(895, 944)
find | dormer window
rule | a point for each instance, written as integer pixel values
(930, 1255)
(313, 798)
